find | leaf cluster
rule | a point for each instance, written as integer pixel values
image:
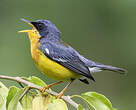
(15, 99)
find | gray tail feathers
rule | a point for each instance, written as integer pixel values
(111, 68)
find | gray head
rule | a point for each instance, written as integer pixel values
(46, 27)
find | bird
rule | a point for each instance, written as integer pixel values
(58, 60)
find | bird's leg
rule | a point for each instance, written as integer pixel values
(62, 92)
(50, 85)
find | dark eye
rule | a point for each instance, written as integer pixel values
(40, 26)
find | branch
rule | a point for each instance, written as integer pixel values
(31, 85)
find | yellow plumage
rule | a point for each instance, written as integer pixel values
(47, 66)
(44, 30)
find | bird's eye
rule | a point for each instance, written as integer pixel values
(40, 26)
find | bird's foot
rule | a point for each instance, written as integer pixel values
(49, 86)
(62, 92)
(42, 90)
(60, 95)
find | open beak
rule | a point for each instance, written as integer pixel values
(27, 21)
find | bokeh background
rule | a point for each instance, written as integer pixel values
(101, 30)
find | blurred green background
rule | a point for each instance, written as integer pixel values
(101, 30)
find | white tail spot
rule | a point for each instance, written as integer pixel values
(94, 69)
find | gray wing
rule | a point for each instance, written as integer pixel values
(66, 56)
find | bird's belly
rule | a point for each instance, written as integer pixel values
(52, 69)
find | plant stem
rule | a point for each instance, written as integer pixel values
(31, 85)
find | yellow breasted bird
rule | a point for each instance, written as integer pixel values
(58, 60)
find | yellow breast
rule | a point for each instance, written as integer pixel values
(47, 66)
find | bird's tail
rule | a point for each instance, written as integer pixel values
(111, 68)
(96, 67)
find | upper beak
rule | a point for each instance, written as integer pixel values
(27, 21)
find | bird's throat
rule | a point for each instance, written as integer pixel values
(34, 43)
(33, 36)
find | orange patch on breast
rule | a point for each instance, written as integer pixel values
(34, 37)
(47, 66)
(35, 54)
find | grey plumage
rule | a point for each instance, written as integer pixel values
(56, 50)
(100, 66)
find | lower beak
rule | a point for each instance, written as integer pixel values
(27, 21)
(25, 31)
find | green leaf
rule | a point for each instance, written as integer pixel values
(12, 92)
(1, 102)
(86, 101)
(57, 104)
(35, 80)
(99, 100)
(41, 102)
(3, 95)
(3, 90)
(13, 103)
(96, 101)
(115, 109)
(27, 102)
(48, 103)
(80, 107)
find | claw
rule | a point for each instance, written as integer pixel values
(44, 88)
(49, 86)
(59, 95)
(62, 92)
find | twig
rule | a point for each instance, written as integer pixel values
(25, 91)
(31, 85)
(21, 84)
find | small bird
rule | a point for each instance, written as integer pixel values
(57, 59)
